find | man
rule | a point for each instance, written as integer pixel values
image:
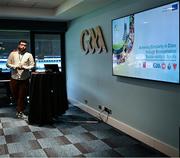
(20, 62)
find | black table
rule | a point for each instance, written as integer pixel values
(4, 85)
(48, 97)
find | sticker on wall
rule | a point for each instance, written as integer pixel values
(92, 41)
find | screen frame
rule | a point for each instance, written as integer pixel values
(138, 78)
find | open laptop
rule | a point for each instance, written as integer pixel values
(51, 67)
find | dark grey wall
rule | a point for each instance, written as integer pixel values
(151, 107)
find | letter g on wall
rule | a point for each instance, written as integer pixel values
(92, 41)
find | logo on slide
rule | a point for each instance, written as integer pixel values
(156, 65)
(144, 64)
(175, 6)
(169, 66)
(163, 65)
(174, 66)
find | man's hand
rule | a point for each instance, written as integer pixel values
(20, 67)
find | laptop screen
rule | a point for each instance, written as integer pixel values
(51, 67)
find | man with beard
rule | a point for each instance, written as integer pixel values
(20, 62)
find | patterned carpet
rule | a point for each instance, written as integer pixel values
(69, 136)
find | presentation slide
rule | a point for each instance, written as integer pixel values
(146, 45)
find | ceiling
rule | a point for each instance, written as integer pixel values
(55, 10)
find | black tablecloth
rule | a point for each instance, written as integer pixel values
(4, 85)
(48, 97)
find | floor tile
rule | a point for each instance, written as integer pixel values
(62, 151)
(137, 150)
(82, 137)
(2, 140)
(119, 141)
(3, 149)
(106, 153)
(48, 142)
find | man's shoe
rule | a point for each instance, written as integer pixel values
(17, 115)
(21, 115)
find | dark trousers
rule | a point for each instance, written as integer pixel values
(19, 89)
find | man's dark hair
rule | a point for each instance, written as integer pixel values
(23, 41)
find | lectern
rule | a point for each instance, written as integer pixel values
(48, 97)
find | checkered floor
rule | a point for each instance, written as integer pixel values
(69, 136)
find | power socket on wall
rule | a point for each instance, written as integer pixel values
(86, 101)
(101, 107)
(109, 111)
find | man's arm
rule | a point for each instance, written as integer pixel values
(31, 63)
(10, 63)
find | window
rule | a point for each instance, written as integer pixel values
(47, 50)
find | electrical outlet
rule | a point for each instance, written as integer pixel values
(85, 101)
(109, 111)
(101, 107)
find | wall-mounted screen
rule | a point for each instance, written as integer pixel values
(146, 44)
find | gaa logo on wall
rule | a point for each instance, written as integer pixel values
(92, 41)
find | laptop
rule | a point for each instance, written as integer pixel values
(51, 67)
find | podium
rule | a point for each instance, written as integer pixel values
(47, 98)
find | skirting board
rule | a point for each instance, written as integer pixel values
(143, 137)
